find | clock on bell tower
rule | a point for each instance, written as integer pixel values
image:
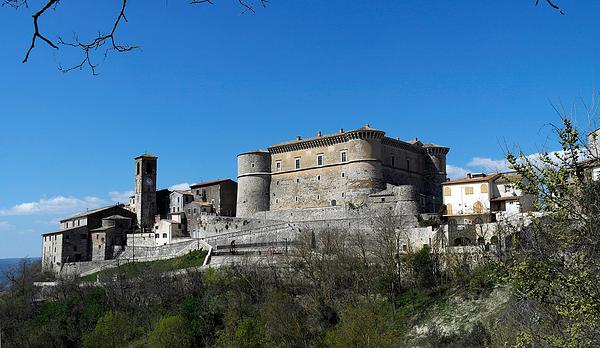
(145, 190)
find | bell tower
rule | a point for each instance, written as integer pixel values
(145, 191)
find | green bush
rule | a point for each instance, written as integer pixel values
(170, 332)
(112, 330)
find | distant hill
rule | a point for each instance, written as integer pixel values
(8, 264)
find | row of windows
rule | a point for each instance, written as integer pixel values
(73, 223)
(343, 175)
(478, 208)
(469, 190)
(157, 235)
(318, 198)
(320, 160)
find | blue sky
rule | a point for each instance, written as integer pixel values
(210, 82)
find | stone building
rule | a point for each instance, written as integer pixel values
(193, 213)
(177, 199)
(113, 233)
(72, 242)
(338, 169)
(220, 194)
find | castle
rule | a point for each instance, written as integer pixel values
(327, 181)
(338, 169)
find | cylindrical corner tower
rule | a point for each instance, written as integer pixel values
(254, 183)
(438, 157)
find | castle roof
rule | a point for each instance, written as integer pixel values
(146, 156)
(365, 132)
(90, 212)
(210, 183)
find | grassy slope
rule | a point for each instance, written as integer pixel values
(133, 269)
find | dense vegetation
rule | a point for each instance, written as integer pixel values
(333, 305)
(347, 289)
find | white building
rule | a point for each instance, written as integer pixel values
(166, 230)
(481, 198)
(177, 199)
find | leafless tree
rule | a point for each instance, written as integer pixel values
(106, 42)
(103, 43)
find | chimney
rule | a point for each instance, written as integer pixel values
(469, 175)
(341, 130)
(298, 138)
(319, 133)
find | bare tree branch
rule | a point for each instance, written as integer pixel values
(36, 33)
(97, 43)
(552, 4)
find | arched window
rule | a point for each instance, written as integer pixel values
(484, 188)
(448, 209)
(478, 208)
(148, 168)
(447, 191)
(138, 168)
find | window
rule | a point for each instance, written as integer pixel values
(392, 161)
(156, 235)
(148, 168)
(320, 159)
(277, 182)
(252, 165)
(333, 202)
(318, 177)
(408, 164)
(318, 197)
(449, 209)
(478, 207)
(297, 181)
(138, 168)
(343, 174)
(484, 188)
(296, 198)
(177, 199)
(298, 163)
(344, 155)
(278, 165)
(343, 195)
(447, 191)
(468, 190)
(276, 200)
(164, 235)
(74, 247)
